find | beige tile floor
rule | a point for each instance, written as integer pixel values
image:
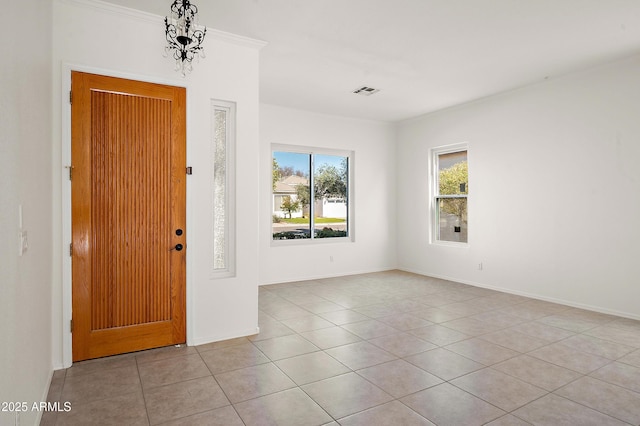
(388, 348)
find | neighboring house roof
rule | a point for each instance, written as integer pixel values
(295, 180)
(284, 188)
(288, 184)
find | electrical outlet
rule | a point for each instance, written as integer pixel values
(480, 266)
(331, 259)
(24, 242)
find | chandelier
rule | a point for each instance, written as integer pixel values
(184, 35)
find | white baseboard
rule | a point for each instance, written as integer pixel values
(527, 294)
(325, 276)
(217, 338)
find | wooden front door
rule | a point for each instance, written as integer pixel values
(128, 196)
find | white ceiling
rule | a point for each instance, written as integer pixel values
(423, 55)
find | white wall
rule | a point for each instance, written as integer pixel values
(103, 38)
(25, 179)
(554, 190)
(373, 216)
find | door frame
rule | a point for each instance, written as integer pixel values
(65, 109)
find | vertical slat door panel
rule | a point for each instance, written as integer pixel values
(130, 195)
(128, 285)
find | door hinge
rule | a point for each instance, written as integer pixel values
(71, 325)
(70, 97)
(70, 171)
(71, 249)
(189, 170)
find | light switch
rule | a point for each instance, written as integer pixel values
(24, 242)
(22, 234)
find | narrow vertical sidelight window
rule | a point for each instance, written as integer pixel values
(450, 188)
(223, 188)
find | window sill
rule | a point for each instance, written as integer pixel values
(450, 244)
(310, 242)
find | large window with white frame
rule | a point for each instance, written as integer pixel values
(450, 190)
(223, 188)
(311, 194)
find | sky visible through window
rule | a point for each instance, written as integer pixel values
(300, 161)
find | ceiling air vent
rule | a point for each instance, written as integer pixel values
(365, 91)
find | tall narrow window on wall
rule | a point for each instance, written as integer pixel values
(450, 188)
(223, 188)
(311, 194)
